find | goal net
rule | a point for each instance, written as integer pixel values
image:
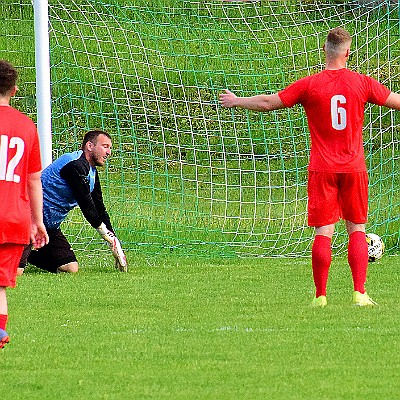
(187, 176)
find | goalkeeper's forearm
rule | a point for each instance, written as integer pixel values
(105, 233)
(115, 246)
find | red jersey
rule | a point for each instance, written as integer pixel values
(334, 102)
(19, 156)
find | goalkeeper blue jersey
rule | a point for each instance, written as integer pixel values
(58, 197)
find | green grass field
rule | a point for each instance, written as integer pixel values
(181, 183)
(194, 329)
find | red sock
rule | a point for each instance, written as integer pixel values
(3, 321)
(357, 255)
(321, 261)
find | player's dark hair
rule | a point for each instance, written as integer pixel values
(92, 136)
(8, 77)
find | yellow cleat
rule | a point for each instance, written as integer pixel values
(363, 300)
(319, 302)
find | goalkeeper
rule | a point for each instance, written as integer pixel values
(69, 181)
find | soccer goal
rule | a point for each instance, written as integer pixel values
(187, 176)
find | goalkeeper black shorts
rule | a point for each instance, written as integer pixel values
(53, 255)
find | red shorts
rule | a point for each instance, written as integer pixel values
(10, 255)
(332, 196)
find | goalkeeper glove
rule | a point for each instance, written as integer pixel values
(115, 246)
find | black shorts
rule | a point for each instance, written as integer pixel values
(53, 255)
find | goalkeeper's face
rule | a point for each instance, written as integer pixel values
(99, 151)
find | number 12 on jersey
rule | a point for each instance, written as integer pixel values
(7, 168)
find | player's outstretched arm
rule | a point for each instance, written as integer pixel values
(393, 101)
(115, 246)
(260, 102)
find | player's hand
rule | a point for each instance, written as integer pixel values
(39, 236)
(115, 246)
(120, 258)
(228, 99)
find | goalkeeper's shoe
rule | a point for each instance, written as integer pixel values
(319, 302)
(362, 300)
(3, 338)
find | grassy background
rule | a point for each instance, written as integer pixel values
(186, 174)
(178, 327)
(195, 329)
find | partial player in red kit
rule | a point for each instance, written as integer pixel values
(334, 101)
(20, 187)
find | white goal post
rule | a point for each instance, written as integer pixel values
(43, 88)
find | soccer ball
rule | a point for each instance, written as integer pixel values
(376, 247)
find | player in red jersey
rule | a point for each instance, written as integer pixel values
(20, 187)
(334, 101)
